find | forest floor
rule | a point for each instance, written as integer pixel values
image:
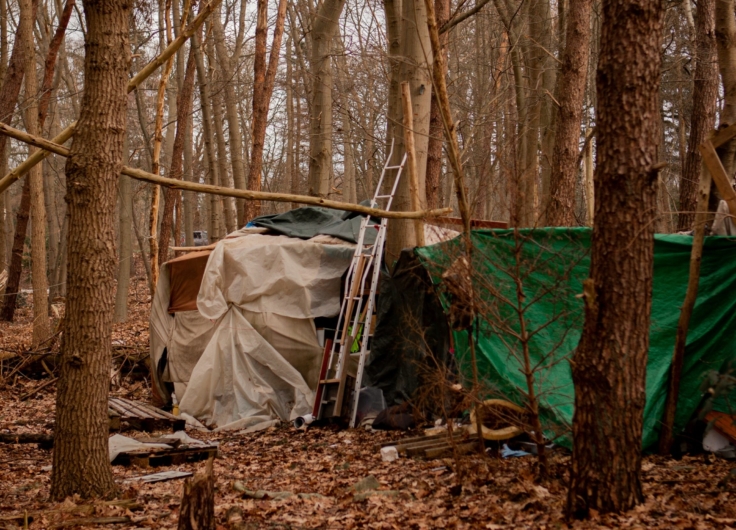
(323, 464)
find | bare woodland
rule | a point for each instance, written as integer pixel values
(128, 127)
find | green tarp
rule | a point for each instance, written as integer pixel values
(550, 265)
(310, 221)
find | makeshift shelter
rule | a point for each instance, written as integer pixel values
(550, 265)
(233, 329)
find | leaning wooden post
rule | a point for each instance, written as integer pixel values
(439, 85)
(411, 160)
(678, 356)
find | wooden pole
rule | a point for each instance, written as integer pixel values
(176, 184)
(718, 173)
(147, 70)
(411, 160)
(678, 356)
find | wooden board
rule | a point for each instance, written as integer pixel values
(165, 457)
(144, 417)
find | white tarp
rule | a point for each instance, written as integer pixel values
(256, 306)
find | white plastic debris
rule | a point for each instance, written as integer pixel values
(389, 453)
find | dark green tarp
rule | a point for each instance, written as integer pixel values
(551, 265)
(310, 221)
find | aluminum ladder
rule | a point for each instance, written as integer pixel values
(354, 325)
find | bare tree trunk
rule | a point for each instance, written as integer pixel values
(263, 81)
(349, 191)
(324, 28)
(125, 245)
(609, 365)
(573, 75)
(8, 98)
(4, 153)
(228, 206)
(177, 160)
(236, 140)
(41, 323)
(703, 117)
(726, 50)
(209, 140)
(157, 145)
(81, 465)
(416, 53)
(291, 155)
(436, 134)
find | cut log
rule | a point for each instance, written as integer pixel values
(197, 511)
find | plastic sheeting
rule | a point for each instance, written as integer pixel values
(250, 353)
(555, 262)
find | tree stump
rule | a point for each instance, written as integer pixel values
(197, 510)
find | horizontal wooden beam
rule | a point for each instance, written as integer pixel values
(722, 136)
(25, 166)
(717, 171)
(145, 176)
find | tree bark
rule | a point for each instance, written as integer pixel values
(236, 140)
(436, 129)
(197, 511)
(324, 28)
(8, 98)
(209, 137)
(726, 50)
(573, 75)
(41, 322)
(80, 464)
(703, 117)
(263, 82)
(609, 365)
(416, 66)
(184, 108)
(125, 245)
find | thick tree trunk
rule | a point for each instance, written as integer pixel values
(609, 365)
(324, 29)
(80, 464)
(41, 323)
(703, 117)
(574, 73)
(416, 67)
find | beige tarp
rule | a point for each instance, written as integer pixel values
(250, 353)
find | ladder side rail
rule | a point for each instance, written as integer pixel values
(367, 331)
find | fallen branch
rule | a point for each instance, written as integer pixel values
(147, 70)
(46, 440)
(38, 388)
(176, 184)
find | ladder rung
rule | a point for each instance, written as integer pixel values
(328, 381)
(394, 167)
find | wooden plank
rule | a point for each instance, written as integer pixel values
(165, 457)
(723, 135)
(723, 183)
(442, 451)
(405, 441)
